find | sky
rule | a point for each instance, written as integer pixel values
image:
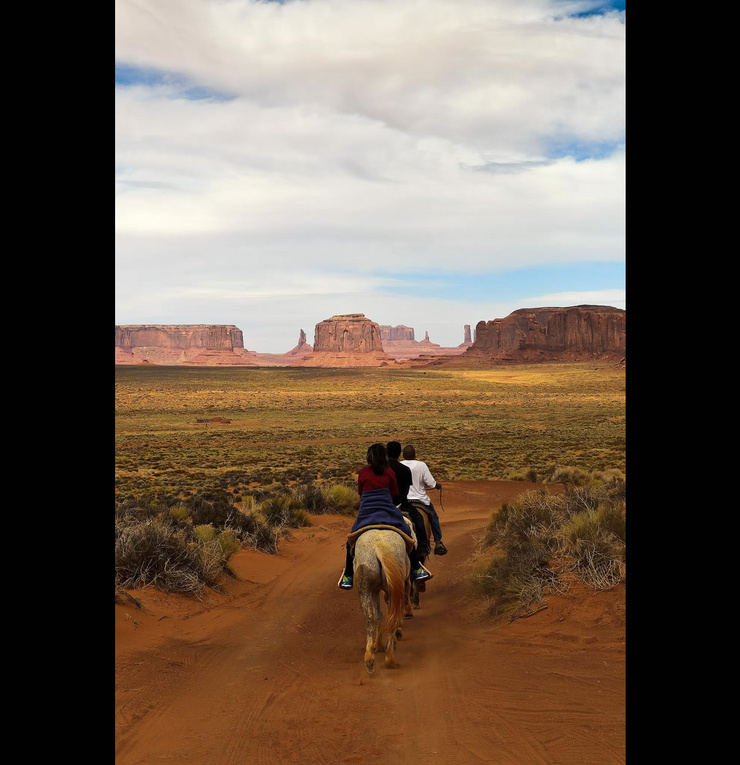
(429, 163)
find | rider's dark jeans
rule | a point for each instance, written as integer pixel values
(434, 521)
(349, 563)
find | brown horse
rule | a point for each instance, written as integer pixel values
(417, 587)
(382, 564)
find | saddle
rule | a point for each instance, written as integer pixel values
(425, 548)
(409, 538)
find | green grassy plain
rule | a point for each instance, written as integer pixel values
(290, 424)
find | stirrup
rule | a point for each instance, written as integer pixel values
(345, 582)
(421, 574)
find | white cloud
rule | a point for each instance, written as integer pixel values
(360, 143)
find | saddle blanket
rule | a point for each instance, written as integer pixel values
(409, 538)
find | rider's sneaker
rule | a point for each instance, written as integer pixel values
(439, 548)
(345, 582)
(420, 574)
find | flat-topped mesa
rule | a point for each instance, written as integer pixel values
(397, 333)
(182, 345)
(224, 337)
(352, 332)
(588, 329)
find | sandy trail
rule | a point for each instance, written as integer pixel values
(271, 671)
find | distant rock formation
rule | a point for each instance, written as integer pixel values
(182, 345)
(575, 331)
(351, 332)
(347, 340)
(466, 335)
(399, 343)
(392, 334)
(302, 349)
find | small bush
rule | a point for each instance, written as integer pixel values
(179, 514)
(542, 537)
(153, 553)
(204, 533)
(310, 496)
(283, 511)
(570, 475)
(341, 499)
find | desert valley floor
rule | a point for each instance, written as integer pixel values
(270, 670)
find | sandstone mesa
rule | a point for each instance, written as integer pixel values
(354, 340)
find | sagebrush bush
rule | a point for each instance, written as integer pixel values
(341, 499)
(310, 496)
(154, 553)
(163, 545)
(542, 538)
(284, 511)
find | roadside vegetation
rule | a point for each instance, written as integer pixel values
(209, 460)
(542, 543)
(185, 545)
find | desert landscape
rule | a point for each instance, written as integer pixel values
(267, 666)
(270, 669)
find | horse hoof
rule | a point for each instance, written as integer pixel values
(370, 666)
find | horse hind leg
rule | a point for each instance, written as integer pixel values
(371, 612)
(370, 655)
(390, 652)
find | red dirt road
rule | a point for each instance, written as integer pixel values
(271, 671)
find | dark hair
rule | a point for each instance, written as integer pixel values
(409, 453)
(394, 449)
(377, 459)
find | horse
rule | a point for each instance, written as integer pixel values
(382, 564)
(416, 587)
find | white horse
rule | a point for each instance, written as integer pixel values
(382, 564)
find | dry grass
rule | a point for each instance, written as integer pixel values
(291, 426)
(542, 541)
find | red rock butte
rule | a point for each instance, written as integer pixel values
(347, 340)
(543, 334)
(182, 345)
(353, 340)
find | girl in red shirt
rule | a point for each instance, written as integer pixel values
(376, 485)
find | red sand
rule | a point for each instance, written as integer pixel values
(271, 670)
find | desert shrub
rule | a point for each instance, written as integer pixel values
(534, 516)
(570, 475)
(204, 533)
(162, 546)
(212, 507)
(284, 511)
(265, 538)
(229, 543)
(154, 553)
(341, 499)
(310, 496)
(542, 539)
(179, 514)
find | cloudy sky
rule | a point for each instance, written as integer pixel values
(432, 163)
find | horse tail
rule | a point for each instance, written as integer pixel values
(395, 576)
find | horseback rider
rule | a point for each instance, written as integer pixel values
(421, 480)
(403, 478)
(376, 485)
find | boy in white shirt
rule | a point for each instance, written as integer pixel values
(421, 480)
